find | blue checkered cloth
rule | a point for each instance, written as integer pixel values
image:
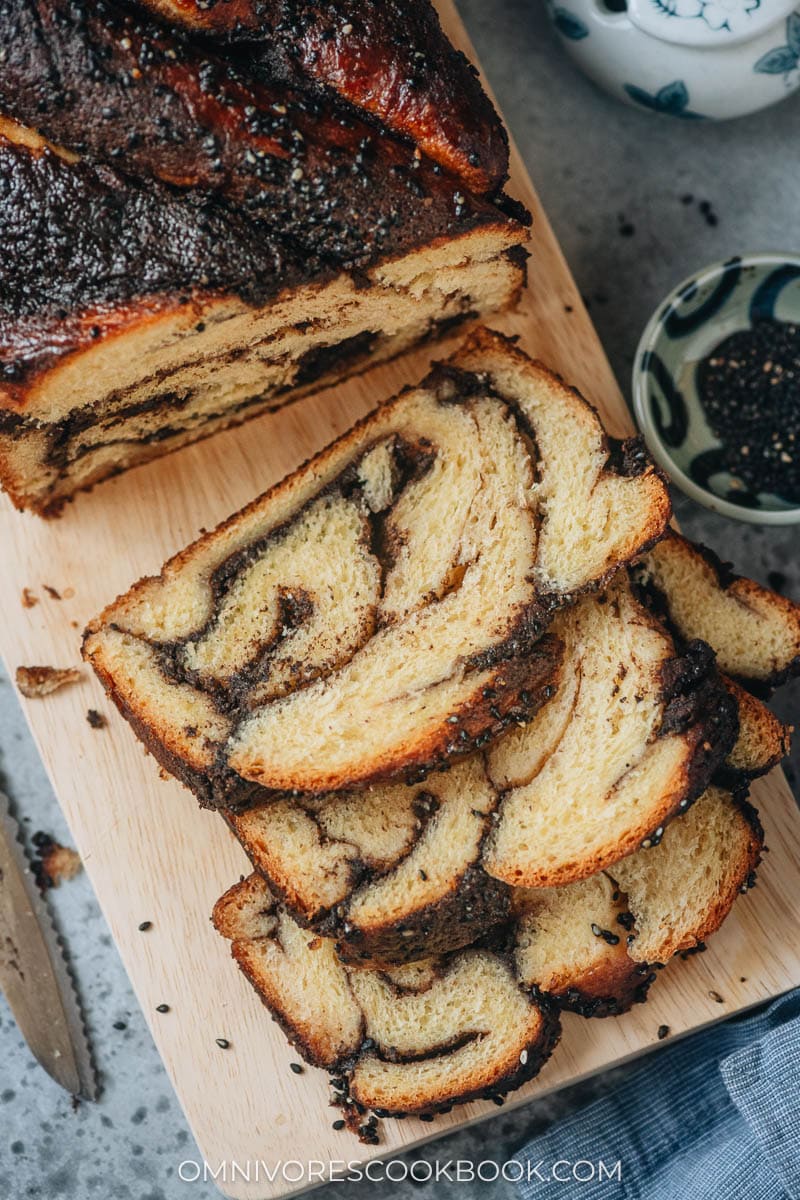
(714, 1117)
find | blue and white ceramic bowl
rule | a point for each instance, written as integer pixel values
(689, 59)
(702, 311)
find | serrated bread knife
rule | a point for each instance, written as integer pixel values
(33, 972)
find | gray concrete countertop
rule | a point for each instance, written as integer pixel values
(596, 164)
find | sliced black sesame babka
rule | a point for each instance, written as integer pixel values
(397, 872)
(478, 1022)
(633, 735)
(214, 238)
(412, 1039)
(380, 613)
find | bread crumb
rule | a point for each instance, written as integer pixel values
(56, 863)
(35, 682)
(96, 719)
(29, 598)
(52, 592)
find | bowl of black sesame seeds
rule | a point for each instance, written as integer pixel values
(716, 387)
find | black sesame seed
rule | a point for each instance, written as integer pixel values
(748, 389)
(144, 926)
(223, 1043)
(162, 1008)
(663, 1031)
(340, 1124)
(120, 1025)
(296, 1068)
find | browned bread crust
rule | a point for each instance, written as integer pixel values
(388, 58)
(165, 108)
(492, 395)
(415, 1040)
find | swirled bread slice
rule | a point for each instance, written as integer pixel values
(592, 945)
(400, 872)
(392, 873)
(633, 736)
(379, 613)
(763, 740)
(755, 631)
(413, 1039)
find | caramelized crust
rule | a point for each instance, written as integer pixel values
(118, 88)
(387, 57)
(218, 233)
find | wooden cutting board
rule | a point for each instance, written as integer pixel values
(153, 855)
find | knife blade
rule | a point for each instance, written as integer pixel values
(33, 971)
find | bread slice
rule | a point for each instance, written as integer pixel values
(380, 612)
(392, 873)
(400, 872)
(633, 736)
(755, 631)
(415, 1039)
(592, 945)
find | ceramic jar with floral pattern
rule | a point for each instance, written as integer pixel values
(690, 59)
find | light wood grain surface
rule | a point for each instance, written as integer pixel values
(153, 855)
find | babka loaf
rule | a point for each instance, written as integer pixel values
(755, 631)
(415, 1039)
(380, 613)
(592, 945)
(479, 1022)
(213, 241)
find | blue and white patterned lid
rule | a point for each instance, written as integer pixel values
(709, 23)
